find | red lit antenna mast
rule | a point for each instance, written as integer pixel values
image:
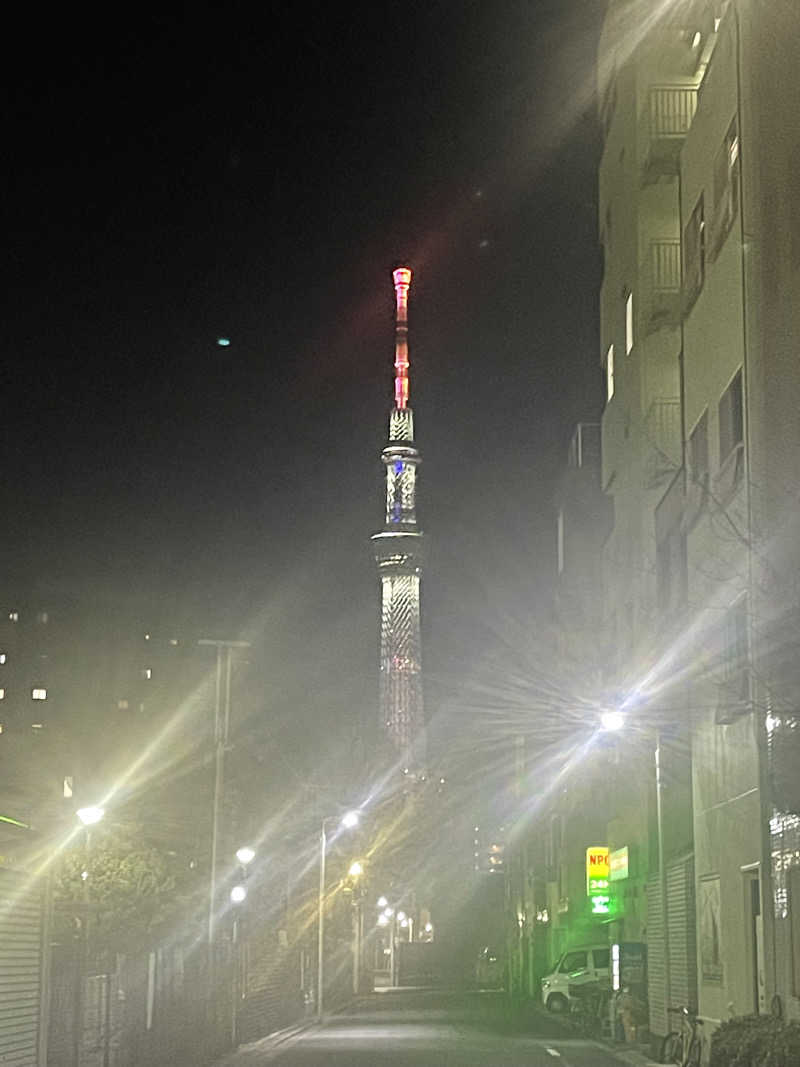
(402, 283)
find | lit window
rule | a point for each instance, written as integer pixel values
(560, 543)
(43, 617)
(173, 641)
(610, 372)
(2, 657)
(122, 705)
(147, 673)
(37, 726)
(1, 727)
(628, 324)
(147, 637)
(38, 694)
(13, 616)
(68, 786)
(2, 694)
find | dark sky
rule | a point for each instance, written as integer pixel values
(255, 172)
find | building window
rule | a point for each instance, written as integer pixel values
(698, 451)
(609, 373)
(726, 186)
(39, 694)
(2, 694)
(731, 419)
(628, 324)
(694, 254)
(122, 705)
(560, 541)
(672, 576)
(13, 616)
(37, 726)
(147, 673)
(43, 617)
(735, 682)
(2, 657)
(68, 786)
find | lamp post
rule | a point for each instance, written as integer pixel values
(346, 823)
(88, 817)
(613, 721)
(245, 855)
(222, 717)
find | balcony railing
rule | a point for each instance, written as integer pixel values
(667, 119)
(665, 284)
(662, 428)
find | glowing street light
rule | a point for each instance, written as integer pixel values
(401, 915)
(383, 920)
(382, 902)
(612, 720)
(91, 815)
(238, 894)
(356, 869)
(388, 912)
(347, 822)
(245, 855)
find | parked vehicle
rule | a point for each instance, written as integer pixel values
(583, 964)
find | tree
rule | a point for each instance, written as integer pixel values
(132, 892)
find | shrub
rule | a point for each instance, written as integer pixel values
(755, 1041)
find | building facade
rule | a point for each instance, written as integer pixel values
(700, 327)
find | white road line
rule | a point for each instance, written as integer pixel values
(552, 1052)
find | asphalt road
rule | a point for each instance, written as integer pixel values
(417, 1029)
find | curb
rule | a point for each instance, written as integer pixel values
(256, 1051)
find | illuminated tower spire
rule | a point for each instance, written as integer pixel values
(398, 552)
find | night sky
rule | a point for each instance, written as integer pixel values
(254, 172)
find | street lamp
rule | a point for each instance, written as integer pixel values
(91, 815)
(88, 817)
(347, 822)
(381, 902)
(245, 855)
(356, 869)
(238, 894)
(613, 721)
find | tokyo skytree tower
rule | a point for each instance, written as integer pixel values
(398, 552)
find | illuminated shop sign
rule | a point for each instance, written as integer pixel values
(618, 864)
(597, 879)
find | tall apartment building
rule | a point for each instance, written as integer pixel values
(700, 330)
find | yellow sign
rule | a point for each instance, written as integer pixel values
(597, 870)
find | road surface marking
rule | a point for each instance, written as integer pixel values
(552, 1052)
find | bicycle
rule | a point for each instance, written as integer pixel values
(683, 1047)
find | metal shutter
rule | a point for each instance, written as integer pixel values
(682, 943)
(20, 968)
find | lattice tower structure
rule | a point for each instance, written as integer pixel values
(398, 551)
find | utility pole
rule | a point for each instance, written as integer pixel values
(222, 718)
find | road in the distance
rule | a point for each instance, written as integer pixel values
(429, 1029)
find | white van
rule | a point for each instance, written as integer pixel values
(586, 963)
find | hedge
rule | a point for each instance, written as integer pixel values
(756, 1041)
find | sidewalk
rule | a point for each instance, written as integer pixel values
(266, 1047)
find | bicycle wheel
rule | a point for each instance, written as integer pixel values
(694, 1053)
(672, 1048)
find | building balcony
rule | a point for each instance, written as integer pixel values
(664, 124)
(664, 284)
(662, 432)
